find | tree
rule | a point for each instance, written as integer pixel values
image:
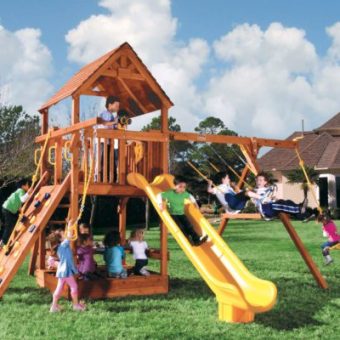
(297, 176)
(17, 134)
(177, 149)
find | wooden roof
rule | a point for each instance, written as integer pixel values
(121, 73)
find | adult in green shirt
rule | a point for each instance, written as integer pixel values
(174, 200)
(11, 208)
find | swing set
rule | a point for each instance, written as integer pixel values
(250, 152)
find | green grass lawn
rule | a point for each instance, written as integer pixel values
(189, 311)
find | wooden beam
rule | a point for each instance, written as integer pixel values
(222, 226)
(121, 162)
(128, 90)
(71, 129)
(44, 122)
(75, 109)
(242, 216)
(95, 93)
(58, 168)
(165, 146)
(101, 189)
(164, 250)
(133, 135)
(303, 251)
(127, 74)
(151, 81)
(122, 219)
(242, 178)
(33, 259)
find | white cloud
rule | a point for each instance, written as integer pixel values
(150, 28)
(273, 78)
(24, 68)
(264, 80)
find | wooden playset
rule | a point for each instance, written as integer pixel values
(73, 166)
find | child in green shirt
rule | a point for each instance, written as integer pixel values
(174, 199)
(11, 207)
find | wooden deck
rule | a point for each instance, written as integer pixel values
(108, 287)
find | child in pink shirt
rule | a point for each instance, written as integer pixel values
(330, 231)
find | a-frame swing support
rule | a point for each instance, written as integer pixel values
(250, 152)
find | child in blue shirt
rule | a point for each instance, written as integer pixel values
(114, 255)
(66, 272)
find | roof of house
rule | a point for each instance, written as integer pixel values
(119, 72)
(320, 149)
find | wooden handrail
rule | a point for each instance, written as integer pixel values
(74, 128)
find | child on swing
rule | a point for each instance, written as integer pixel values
(330, 231)
(174, 199)
(270, 208)
(231, 201)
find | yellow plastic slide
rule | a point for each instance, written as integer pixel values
(239, 293)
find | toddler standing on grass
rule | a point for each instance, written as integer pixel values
(139, 249)
(66, 271)
(330, 231)
(114, 255)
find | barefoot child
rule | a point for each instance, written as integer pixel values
(330, 231)
(139, 251)
(65, 273)
(174, 199)
(114, 255)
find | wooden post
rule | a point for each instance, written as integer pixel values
(58, 168)
(75, 109)
(165, 168)
(122, 219)
(222, 226)
(74, 198)
(303, 251)
(33, 259)
(165, 145)
(243, 177)
(42, 251)
(44, 130)
(121, 162)
(164, 250)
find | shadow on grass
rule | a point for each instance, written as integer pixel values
(29, 295)
(297, 305)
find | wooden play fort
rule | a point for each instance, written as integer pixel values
(72, 165)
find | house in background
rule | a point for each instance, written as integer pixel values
(320, 149)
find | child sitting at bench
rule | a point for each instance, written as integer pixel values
(174, 199)
(86, 264)
(114, 255)
(330, 231)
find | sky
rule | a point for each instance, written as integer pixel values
(260, 65)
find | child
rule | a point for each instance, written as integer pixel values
(175, 200)
(84, 229)
(269, 208)
(86, 263)
(52, 243)
(139, 250)
(65, 273)
(231, 201)
(11, 207)
(114, 255)
(329, 230)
